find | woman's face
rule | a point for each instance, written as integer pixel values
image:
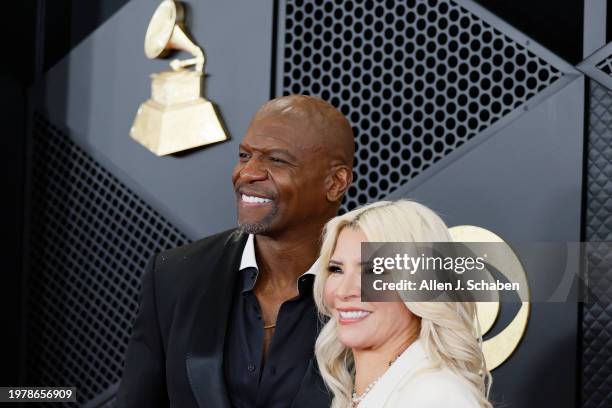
(361, 325)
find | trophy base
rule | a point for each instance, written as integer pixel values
(169, 129)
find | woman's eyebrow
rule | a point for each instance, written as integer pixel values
(331, 261)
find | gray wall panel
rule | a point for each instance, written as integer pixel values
(530, 171)
(597, 314)
(524, 183)
(95, 91)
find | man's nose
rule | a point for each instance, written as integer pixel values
(253, 170)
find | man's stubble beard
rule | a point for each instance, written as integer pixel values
(260, 227)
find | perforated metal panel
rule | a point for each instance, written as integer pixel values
(598, 66)
(90, 239)
(597, 315)
(417, 79)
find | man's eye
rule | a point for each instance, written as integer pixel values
(334, 269)
(243, 155)
(277, 160)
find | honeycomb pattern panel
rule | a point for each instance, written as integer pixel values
(597, 315)
(90, 238)
(416, 79)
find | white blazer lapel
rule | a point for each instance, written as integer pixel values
(411, 360)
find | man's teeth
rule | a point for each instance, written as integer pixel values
(253, 199)
(354, 314)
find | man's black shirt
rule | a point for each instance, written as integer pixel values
(275, 384)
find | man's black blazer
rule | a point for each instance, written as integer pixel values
(175, 354)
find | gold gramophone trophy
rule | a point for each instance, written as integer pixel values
(176, 117)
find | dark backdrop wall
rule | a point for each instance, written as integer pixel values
(98, 204)
(556, 24)
(17, 68)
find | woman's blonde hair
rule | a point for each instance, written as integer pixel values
(450, 332)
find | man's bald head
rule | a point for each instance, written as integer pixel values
(332, 128)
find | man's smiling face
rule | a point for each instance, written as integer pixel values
(279, 179)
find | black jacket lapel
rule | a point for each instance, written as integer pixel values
(205, 351)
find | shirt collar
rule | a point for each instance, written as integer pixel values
(248, 254)
(250, 270)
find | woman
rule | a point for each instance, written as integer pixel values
(393, 354)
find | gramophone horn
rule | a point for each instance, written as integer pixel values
(165, 33)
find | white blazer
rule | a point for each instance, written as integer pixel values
(402, 386)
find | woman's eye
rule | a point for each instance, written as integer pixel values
(334, 269)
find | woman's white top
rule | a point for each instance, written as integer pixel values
(403, 386)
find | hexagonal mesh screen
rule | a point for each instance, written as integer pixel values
(416, 79)
(89, 240)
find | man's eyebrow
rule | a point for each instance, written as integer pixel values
(285, 152)
(282, 151)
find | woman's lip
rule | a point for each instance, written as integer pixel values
(355, 315)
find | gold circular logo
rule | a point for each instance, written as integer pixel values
(500, 347)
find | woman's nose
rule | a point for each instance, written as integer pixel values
(350, 285)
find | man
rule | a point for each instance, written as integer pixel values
(229, 321)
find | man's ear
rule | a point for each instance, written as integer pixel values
(338, 181)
